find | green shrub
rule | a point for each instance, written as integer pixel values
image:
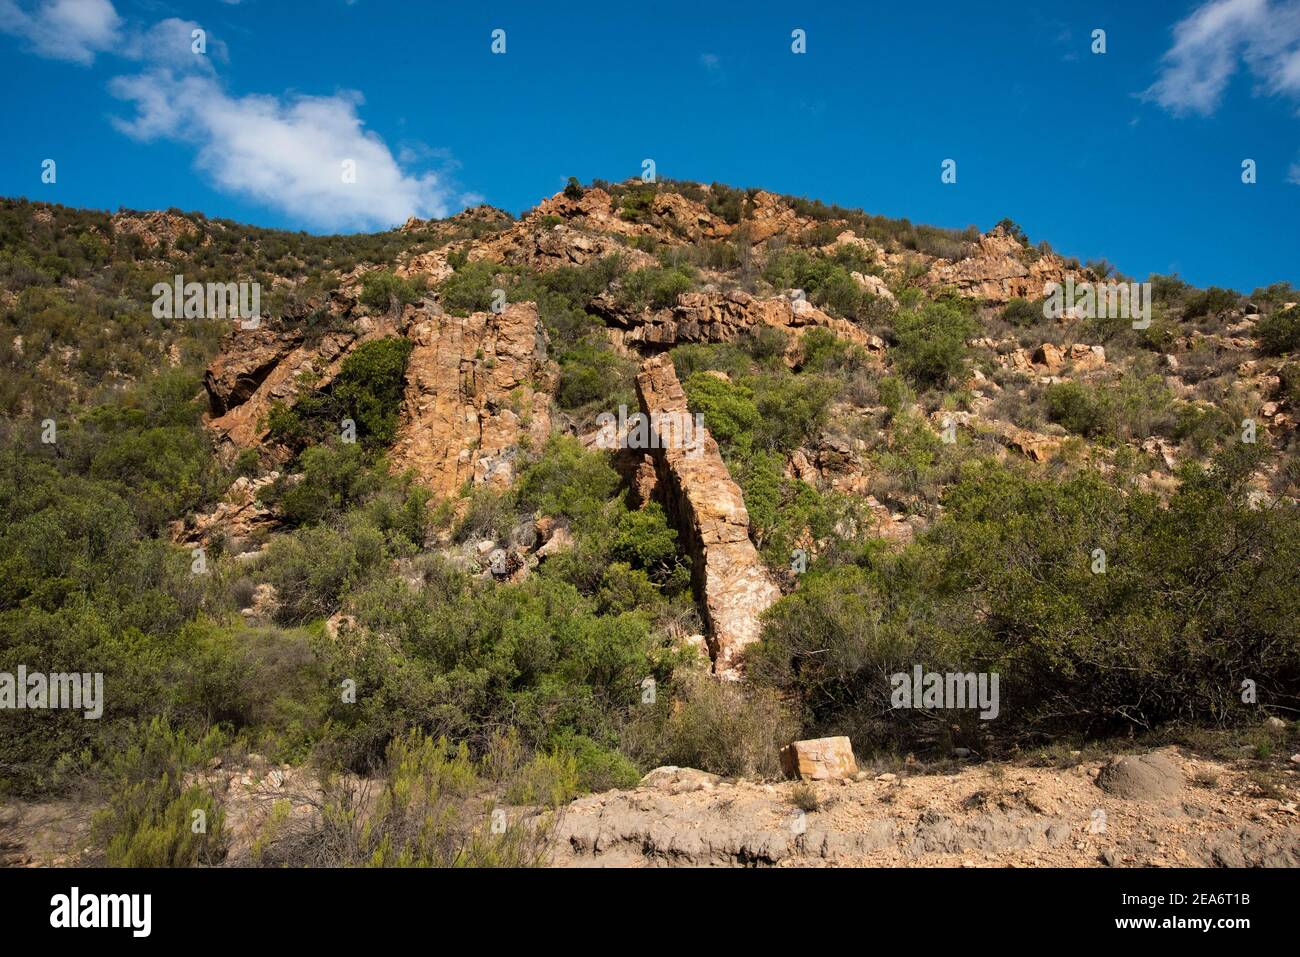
(313, 567)
(383, 289)
(720, 727)
(593, 372)
(1279, 332)
(151, 820)
(1022, 313)
(548, 779)
(1077, 408)
(730, 413)
(1001, 583)
(423, 816)
(1212, 302)
(369, 390)
(930, 343)
(657, 287)
(470, 288)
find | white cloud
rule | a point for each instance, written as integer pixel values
(285, 153)
(170, 43)
(63, 29)
(1210, 43)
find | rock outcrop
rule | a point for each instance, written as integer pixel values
(475, 387)
(700, 317)
(1001, 270)
(257, 368)
(730, 580)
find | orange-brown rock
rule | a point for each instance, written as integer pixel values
(1000, 270)
(819, 759)
(238, 517)
(730, 580)
(1050, 356)
(156, 227)
(1085, 358)
(472, 396)
(726, 317)
(257, 368)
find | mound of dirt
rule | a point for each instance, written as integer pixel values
(1141, 777)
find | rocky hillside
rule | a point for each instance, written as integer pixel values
(411, 498)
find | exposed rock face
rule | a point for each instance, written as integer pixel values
(472, 394)
(730, 579)
(258, 367)
(541, 247)
(155, 227)
(999, 272)
(725, 317)
(819, 759)
(239, 516)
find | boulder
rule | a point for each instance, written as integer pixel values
(1050, 356)
(677, 780)
(820, 759)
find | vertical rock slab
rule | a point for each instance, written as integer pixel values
(699, 494)
(475, 387)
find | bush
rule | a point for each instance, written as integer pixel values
(548, 779)
(150, 820)
(1279, 332)
(470, 288)
(1212, 302)
(1077, 408)
(382, 289)
(729, 411)
(593, 372)
(657, 287)
(312, 568)
(369, 390)
(1001, 583)
(930, 343)
(1022, 313)
(423, 816)
(720, 727)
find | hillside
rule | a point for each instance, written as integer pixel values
(396, 543)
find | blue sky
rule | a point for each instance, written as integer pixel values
(1134, 154)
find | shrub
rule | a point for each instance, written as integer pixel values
(382, 289)
(1077, 408)
(723, 728)
(646, 541)
(469, 289)
(1022, 313)
(369, 390)
(150, 820)
(730, 413)
(1000, 584)
(422, 816)
(313, 567)
(548, 779)
(592, 372)
(930, 343)
(1279, 332)
(567, 482)
(657, 287)
(1212, 302)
